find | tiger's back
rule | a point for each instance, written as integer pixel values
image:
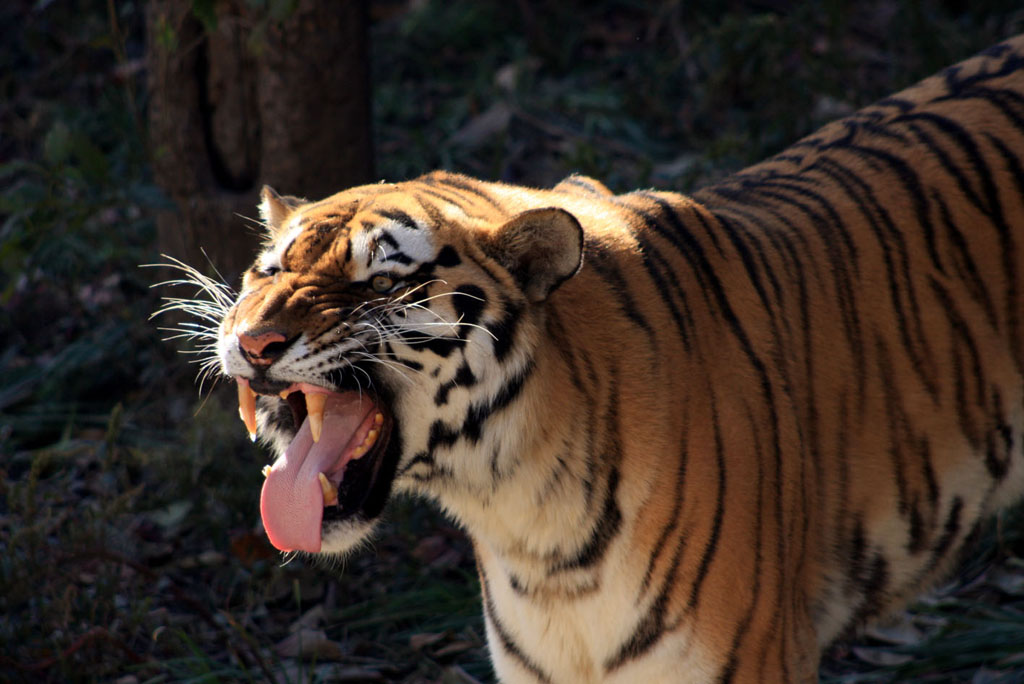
(751, 420)
(873, 271)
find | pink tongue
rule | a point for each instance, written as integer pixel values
(292, 503)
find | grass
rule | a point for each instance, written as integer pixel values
(129, 546)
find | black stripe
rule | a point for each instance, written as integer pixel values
(442, 346)
(469, 302)
(853, 554)
(387, 238)
(608, 525)
(479, 412)
(673, 519)
(711, 546)
(646, 633)
(748, 246)
(897, 102)
(703, 215)
(651, 626)
(788, 158)
(904, 175)
(441, 435)
(463, 183)
(966, 368)
(433, 470)
(661, 273)
(694, 254)
(464, 377)
(957, 85)
(608, 270)
(411, 364)
(397, 257)
(1000, 98)
(505, 639)
(828, 226)
(583, 184)
(953, 169)
(999, 440)
(949, 531)
(917, 537)
(732, 661)
(436, 218)
(873, 589)
(897, 421)
(1008, 248)
(963, 262)
(504, 331)
(450, 197)
(400, 217)
(900, 283)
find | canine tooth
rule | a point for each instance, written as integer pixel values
(315, 410)
(247, 408)
(266, 471)
(284, 394)
(329, 490)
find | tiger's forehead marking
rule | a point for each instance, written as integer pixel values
(394, 244)
(391, 231)
(272, 256)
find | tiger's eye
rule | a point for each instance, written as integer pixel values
(382, 284)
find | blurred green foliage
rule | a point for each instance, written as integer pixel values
(671, 94)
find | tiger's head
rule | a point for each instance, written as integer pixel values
(375, 333)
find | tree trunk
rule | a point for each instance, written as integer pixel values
(242, 99)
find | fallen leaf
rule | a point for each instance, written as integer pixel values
(420, 641)
(309, 643)
(455, 648)
(430, 548)
(351, 673)
(456, 675)
(985, 676)
(899, 632)
(250, 547)
(1007, 581)
(311, 619)
(211, 557)
(882, 657)
(487, 125)
(171, 515)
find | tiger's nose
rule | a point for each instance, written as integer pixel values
(262, 347)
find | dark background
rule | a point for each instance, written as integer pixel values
(130, 547)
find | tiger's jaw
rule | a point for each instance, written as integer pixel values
(331, 481)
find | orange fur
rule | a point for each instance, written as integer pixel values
(753, 419)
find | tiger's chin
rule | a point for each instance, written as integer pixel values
(341, 537)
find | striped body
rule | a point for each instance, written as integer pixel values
(752, 419)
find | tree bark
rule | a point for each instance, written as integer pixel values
(253, 100)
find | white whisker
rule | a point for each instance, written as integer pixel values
(208, 306)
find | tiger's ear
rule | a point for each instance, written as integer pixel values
(542, 248)
(275, 209)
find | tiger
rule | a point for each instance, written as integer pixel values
(690, 438)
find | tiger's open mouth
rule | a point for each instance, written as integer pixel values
(331, 466)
